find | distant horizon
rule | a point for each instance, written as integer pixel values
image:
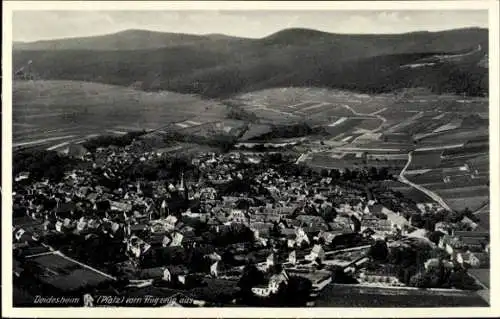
(60, 25)
(232, 36)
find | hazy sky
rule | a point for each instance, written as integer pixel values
(39, 25)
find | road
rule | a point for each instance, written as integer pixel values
(424, 190)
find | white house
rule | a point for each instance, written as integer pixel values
(292, 258)
(166, 275)
(273, 285)
(316, 252)
(301, 236)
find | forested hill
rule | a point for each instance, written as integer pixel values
(219, 66)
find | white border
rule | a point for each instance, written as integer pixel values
(9, 311)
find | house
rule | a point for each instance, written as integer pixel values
(474, 260)
(237, 216)
(271, 260)
(311, 220)
(292, 257)
(469, 222)
(464, 241)
(443, 227)
(137, 247)
(380, 227)
(301, 236)
(436, 262)
(373, 209)
(273, 285)
(379, 277)
(316, 252)
(450, 244)
(23, 236)
(214, 269)
(396, 220)
(176, 240)
(120, 206)
(153, 273)
(262, 229)
(341, 221)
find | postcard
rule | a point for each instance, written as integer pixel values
(239, 159)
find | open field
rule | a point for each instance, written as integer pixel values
(313, 104)
(52, 109)
(472, 203)
(67, 275)
(354, 296)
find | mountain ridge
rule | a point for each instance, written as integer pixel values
(216, 66)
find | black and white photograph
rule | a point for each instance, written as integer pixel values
(249, 158)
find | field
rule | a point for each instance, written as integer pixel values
(461, 177)
(342, 160)
(407, 191)
(351, 296)
(313, 105)
(64, 111)
(66, 275)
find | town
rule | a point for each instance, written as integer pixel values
(113, 222)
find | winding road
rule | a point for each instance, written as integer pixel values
(424, 190)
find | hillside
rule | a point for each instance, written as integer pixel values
(219, 66)
(124, 40)
(51, 109)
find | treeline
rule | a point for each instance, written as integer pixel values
(295, 293)
(238, 113)
(223, 142)
(290, 131)
(110, 140)
(41, 164)
(408, 263)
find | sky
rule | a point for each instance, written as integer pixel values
(43, 25)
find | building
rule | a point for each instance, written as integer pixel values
(238, 216)
(273, 285)
(379, 277)
(474, 260)
(316, 252)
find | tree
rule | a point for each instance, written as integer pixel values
(435, 236)
(419, 280)
(461, 280)
(324, 173)
(295, 293)
(251, 277)
(379, 251)
(417, 221)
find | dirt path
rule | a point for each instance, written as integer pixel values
(424, 190)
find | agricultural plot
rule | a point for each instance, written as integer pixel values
(342, 125)
(409, 192)
(472, 203)
(470, 182)
(468, 191)
(369, 124)
(255, 131)
(398, 120)
(67, 275)
(449, 126)
(431, 177)
(50, 109)
(418, 124)
(425, 160)
(458, 136)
